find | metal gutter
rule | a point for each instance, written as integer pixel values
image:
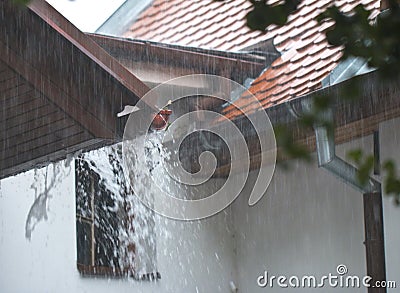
(327, 158)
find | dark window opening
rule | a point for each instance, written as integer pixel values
(100, 220)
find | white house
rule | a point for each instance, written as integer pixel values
(309, 223)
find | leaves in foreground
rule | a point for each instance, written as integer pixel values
(263, 15)
(365, 166)
(21, 2)
(376, 41)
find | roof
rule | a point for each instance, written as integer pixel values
(197, 23)
(154, 63)
(59, 90)
(379, 101)
(123, 17)
(306, 58)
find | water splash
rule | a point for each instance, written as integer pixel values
(135, 240)
(43, 185)
(146, 163)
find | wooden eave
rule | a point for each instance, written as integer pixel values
(154, 63)
(377, 101)
(59, 90)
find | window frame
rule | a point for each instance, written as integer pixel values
(97, 188)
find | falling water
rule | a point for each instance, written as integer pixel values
(44, 183)
(138, 225)
(136, 220)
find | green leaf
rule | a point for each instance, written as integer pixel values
(21, 2)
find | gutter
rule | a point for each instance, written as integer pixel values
(327, 158)
(372, 195)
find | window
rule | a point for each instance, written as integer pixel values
(105, 225)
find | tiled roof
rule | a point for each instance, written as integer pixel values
(197, 23)
(306, 58)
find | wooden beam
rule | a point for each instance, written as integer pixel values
(306, 138)
(374, 240)
(45, 156)
(28, 147)
(31, 123)
(379, 102)
(55, 94)
(10, 93)
(16, 138)
(231, 65)
(22, 108)
(88, 47)
(70, 69)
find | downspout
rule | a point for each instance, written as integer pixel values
(328, 160)
(372, 197)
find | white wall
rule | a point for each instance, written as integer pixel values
(192, 256)
(390, 141)
(308, 223)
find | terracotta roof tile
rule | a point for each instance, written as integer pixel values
(201, 23)
(306, 58)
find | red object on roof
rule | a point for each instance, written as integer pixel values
(160, 119)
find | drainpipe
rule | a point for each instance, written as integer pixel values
(372, 196)
(328, 160)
